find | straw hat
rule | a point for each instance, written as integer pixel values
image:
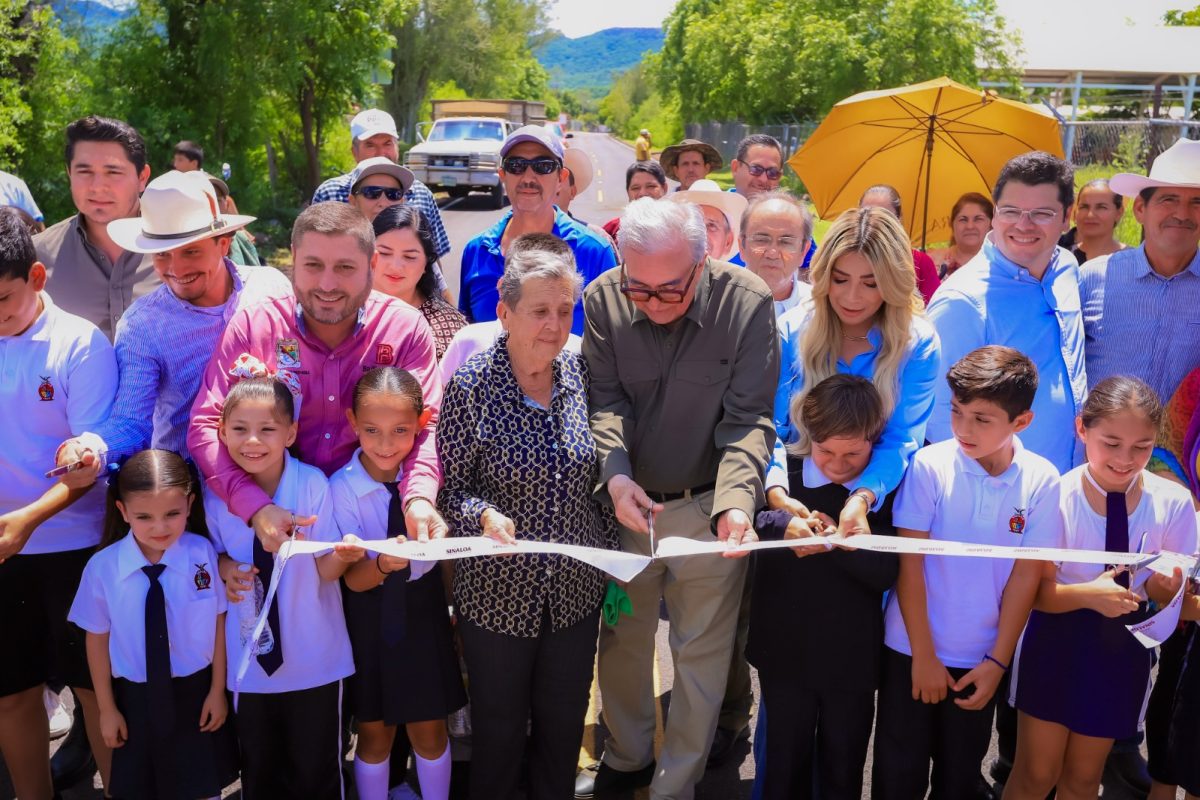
(178, 208)
(707, 193)
(580, 164)
(670, 155)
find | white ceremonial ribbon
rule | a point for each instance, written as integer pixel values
(625, 566)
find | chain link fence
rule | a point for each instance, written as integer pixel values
(725, 135)
(1123, 145)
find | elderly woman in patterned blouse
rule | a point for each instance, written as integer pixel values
(404, 269)
(518, 461)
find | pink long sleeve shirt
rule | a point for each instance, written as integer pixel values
(388, 333)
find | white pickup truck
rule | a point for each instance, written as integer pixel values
(461, 155)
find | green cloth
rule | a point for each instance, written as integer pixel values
(616, 603)
(242, 250)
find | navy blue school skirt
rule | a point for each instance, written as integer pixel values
(1084, 671)
(416, 680)
(200, 764)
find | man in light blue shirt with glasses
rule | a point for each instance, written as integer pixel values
(1022, 291)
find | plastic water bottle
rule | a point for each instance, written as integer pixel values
(248, 611)
(226, 171)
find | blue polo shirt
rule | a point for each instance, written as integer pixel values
(992, 300)
(1138, 322)
(483, 264)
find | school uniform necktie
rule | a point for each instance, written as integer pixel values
(394, 612)
(1116, 529)
(271, 660)
(159, 697)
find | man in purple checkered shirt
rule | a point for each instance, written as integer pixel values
(373, 133)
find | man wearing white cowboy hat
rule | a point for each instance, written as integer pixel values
(165, 339)
(577, 166)
(722, 215)
(690, 161)
(1139, 303)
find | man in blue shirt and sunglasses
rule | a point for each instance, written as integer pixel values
(531, 169)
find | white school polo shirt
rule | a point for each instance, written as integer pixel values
(1164, 512)
(57, 380)
(316, 647)
(112, 599)
(360, 505)
(948, 493)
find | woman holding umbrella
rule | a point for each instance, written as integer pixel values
(865, 319)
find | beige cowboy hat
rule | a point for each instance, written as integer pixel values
(707, 193)
(1177, 166)
(580, 165)
(670, 155)
(178, 208)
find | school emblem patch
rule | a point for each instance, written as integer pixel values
(384, 355)
(202, 579)
(287, 353)
(1016, 523)
(46, 389)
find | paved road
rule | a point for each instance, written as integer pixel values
(602, 201)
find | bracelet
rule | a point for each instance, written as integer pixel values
(379, 567)
(859, 493)
(996, 661)
(412, 500)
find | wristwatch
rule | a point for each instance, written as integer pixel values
(865, 494)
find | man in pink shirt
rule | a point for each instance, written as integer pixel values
(319, 343)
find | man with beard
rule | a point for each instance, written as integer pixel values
(532, 168)
(319, 343)
(165, 339)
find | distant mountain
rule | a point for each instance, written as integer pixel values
(94, 16)
(593, 61)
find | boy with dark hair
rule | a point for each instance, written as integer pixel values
(952, 626)
(796, 652)
(87, 272)
(188, 156)
(60, 376)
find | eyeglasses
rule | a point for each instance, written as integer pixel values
(375, 192)
(761, 243)
(1038, 216)
(542, 166)
(757, 170)
(672, 296)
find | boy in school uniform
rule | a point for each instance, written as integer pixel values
(797, 652)
(952, 626)
(58, 376)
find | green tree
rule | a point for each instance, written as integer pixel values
(796, 58)
(1182, 17)
(482, 45)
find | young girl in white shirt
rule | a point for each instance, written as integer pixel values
(153, 608)
(406, 669)
(289, 679)
(1082, 678)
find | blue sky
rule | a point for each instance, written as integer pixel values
(580, 17)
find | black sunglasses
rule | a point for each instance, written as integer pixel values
(374, 192)
(772, 173)
(542, 166)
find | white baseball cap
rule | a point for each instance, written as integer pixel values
(372, 122)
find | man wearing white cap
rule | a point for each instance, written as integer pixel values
(373, 134)
(1139, 303)
(165, 339)
(377, 183)
(531, 168)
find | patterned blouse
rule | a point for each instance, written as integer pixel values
(537, 467)
(444, 319)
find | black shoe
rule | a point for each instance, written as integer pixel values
(724, 740)
(73, 762)
(602, 780)
(1128, 769)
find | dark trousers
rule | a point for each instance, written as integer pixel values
(816, 740)
(515, 679)
(909, 733)
(290, 744)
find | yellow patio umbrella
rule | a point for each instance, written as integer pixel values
(932, 141)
